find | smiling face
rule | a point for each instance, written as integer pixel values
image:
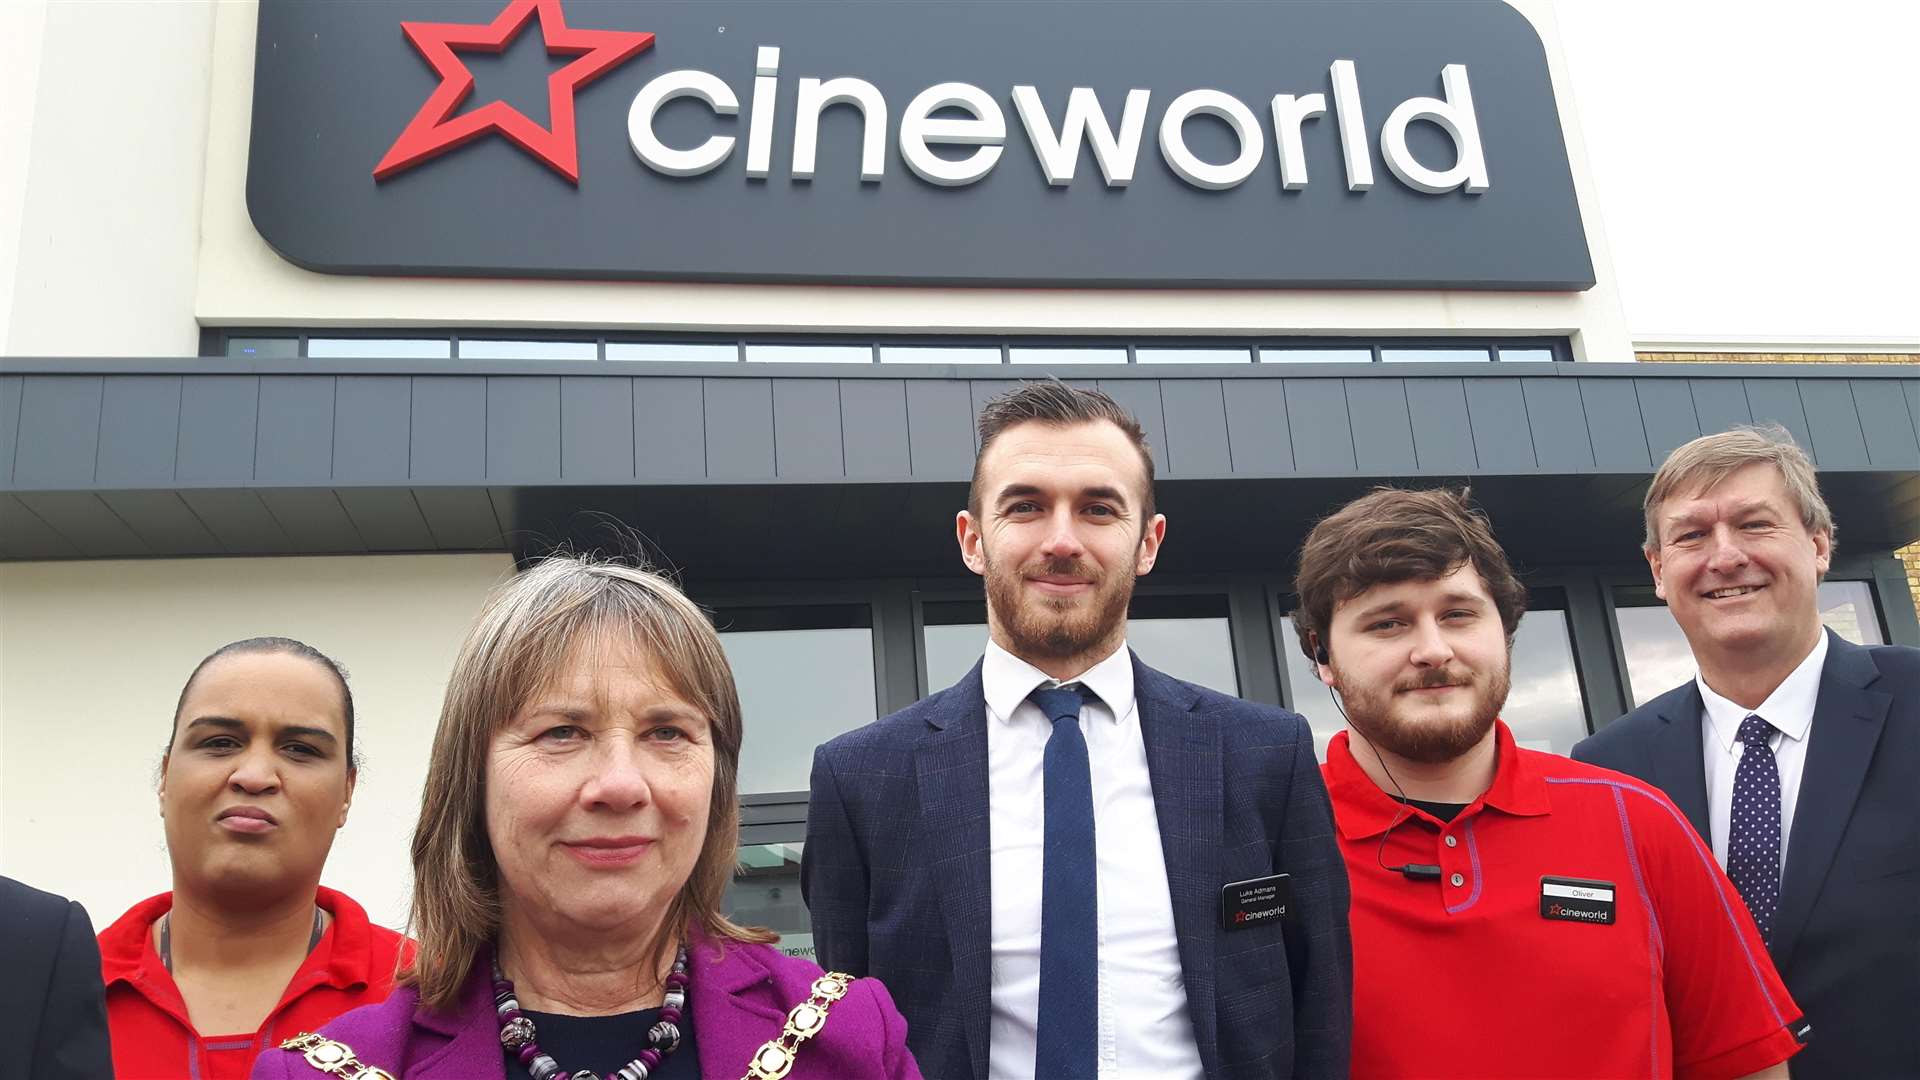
(1421, 665)
(598, 794)
(1740, 571)
(256, 781)
(1060, 539)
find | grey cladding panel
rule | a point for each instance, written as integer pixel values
(1777, 401)
(449, 444)
(296, 430)
(459, 518)
(1502, 439)
(1442, 433)
(806, 429)
(1258, 436)
(23, 535)
(1834, 422)
(983, 391)
(1558, 423)
(387, 518)
(218, 418)
(1666, 408)
(10, 390)
(313, 518)
(669, 429)
(523, 429)
(940, 433)
(239, 520)
(1613, 423)
(1887, 424)
(59, 431)
(740, 429)
(1382, 430)
(96, 531)
(164, 521)
(1719, 404)
(1141, 397)
(873, 428)
(1196, 426)
(596, 429)
(372, 428)
(139, 431)
(1317, 416)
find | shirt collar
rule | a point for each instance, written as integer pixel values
(1789, 708)
(1364, 811)
(343, 955)
(1006, 680)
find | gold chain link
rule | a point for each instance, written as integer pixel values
(333, 1058)
(775, 1057)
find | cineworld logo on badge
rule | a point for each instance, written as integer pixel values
(967, 119)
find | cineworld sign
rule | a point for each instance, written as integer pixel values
(1043, 143)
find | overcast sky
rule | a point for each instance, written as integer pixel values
(1758, 163)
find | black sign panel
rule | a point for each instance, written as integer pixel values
(488, 184)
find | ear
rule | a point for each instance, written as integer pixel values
(1653, 563)
(353, 778)
(1325, 672)
(972, 551)
(1822, 552)
(160, 789)
(1150, 538)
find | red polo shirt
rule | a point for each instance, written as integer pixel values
(1467, 976)
(353, 965)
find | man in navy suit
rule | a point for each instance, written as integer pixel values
(1794, 753)
(53, 1012)
(1069, 864)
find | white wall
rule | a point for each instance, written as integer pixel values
(103, 131)
(92, 657)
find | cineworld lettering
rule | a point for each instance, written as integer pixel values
(1056, 142)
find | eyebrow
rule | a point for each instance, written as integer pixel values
(1100, 491)
(1455, 599)
(228, 723)
(1691, 517)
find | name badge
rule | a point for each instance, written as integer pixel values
(1256, 901)
(1576, 900)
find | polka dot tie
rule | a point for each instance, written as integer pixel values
(1753, 839)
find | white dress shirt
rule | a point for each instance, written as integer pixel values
(1790, 710)
(1144, 1028)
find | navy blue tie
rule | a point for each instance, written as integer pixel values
(1069, 902)
(1753, 834)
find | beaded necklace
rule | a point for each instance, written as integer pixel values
(663, 1038)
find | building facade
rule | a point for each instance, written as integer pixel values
(300, 341)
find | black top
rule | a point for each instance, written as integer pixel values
(606, 1043)
(1445, 811)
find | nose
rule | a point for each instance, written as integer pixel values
(1062, 542)
(1726, 555)
(619, 779)
(1430, 648)
(255, 773)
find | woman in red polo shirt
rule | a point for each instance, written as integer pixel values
(248, 949)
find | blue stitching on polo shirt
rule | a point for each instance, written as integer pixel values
(1473, 853)
(1655, 943)
(1712, 869)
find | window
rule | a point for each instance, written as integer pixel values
(766, 892)
(1526, 356)
(1659, 659)
(1192, 356)
(380, 348)
(810, 354)
(1187, 637)
(1435, 356)
(939, 354)
(805, 674)
(1316, 356)
(471, 349)
(1020, 355)
(674, 351)
(264, 348)
(1544, 707)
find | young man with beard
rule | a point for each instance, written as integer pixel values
(1515, 914)
(1069, 865)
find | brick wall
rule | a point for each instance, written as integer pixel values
(1910, 555)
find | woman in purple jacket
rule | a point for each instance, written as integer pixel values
(577, 832)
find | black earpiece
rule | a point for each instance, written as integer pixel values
(1320, 654)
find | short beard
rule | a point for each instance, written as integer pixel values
(1429, 742)
(1049, 630)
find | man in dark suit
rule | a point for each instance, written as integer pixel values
(1055, 865)
(53, 1012)
(1794, 753)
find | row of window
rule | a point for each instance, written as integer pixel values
(818, 680)
(866, 352)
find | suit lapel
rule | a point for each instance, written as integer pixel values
(1679, 762)
(1183, 761)
(951, 768)
(1847, 721)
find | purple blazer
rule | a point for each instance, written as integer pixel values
(740, 995)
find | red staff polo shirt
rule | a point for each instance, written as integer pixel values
(1469, 976)
(352, 965)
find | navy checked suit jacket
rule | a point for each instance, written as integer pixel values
(896, 875)
(1844, 936)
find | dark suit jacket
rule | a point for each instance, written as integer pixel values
(1845, 937)
(53, 1012)
(895, 873)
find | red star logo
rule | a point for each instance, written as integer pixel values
(434, 130)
